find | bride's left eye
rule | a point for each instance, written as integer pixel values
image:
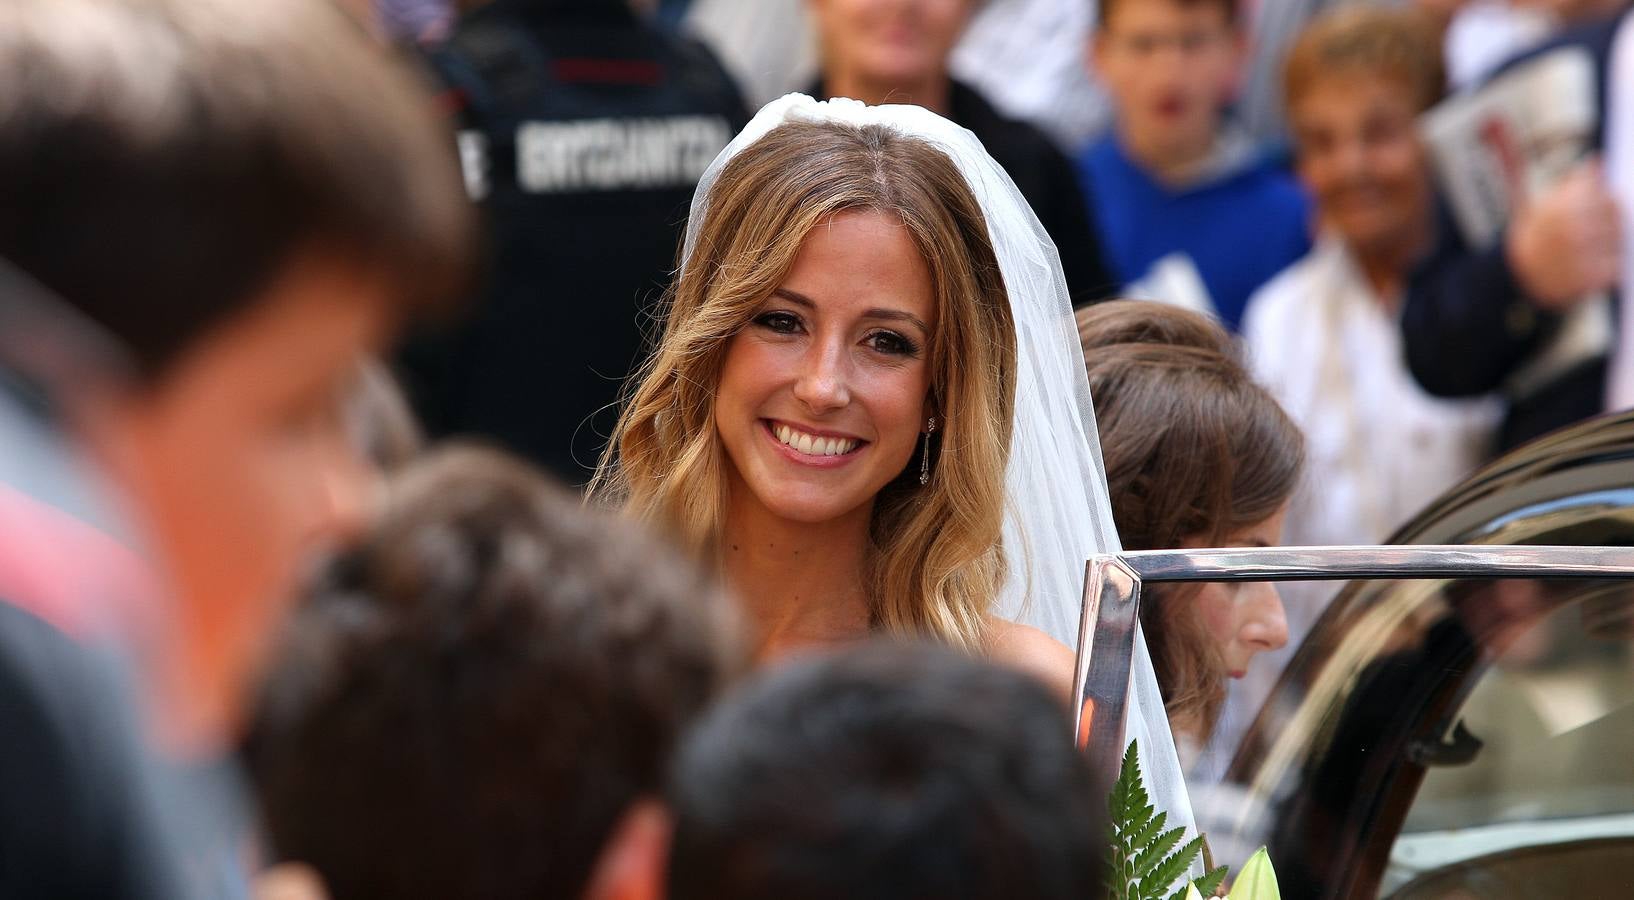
(778, 321)
(891, 343)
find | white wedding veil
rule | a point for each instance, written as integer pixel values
(1058, 511)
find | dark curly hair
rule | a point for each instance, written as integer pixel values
(482, 690)
(888, 770)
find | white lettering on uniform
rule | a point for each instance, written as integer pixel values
(474, 162)
(617, 154)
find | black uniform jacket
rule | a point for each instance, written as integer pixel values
(584, 131)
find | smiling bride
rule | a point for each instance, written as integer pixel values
(829, 409)
(868, 403)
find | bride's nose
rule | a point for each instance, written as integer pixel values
(822, 382)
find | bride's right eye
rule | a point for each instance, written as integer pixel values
(779, 322)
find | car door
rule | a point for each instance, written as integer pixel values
(1456, 717)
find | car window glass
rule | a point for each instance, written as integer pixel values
(1549, 728)
(1427, 708)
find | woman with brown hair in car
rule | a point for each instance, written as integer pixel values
(1197, 455)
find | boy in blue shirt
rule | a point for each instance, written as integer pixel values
(1171, 182)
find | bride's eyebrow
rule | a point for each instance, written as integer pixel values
(889, 315)
(896, 315)
(795, 297)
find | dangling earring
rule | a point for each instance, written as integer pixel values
(924, 461)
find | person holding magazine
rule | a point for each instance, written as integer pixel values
(1520, 304)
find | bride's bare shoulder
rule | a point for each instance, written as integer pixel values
(1029, 650)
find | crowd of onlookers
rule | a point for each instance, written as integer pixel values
(1266, 163)
(234, 575)
(1261, 162)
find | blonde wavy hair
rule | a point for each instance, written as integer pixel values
(935, 561)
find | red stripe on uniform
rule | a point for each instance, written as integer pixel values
(609, 71)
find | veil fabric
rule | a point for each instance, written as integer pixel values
(1058, 513)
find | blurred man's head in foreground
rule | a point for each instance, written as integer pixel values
(886, 771)
(484, 701)
(244, 196)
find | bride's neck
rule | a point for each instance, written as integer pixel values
(801, 584)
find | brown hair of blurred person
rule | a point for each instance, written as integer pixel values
(1372, 42)
(245, 197)
(1231, 8)
(1196, 453)
(484, 701)
(177, 167)
(884, 771)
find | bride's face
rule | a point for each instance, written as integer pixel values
(824, 394)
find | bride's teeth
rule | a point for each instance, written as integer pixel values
(812, 445)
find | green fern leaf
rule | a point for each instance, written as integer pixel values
(1206, 886)
(1146, 835)
(1211, 882)
(1130, 811)
(1140, 864)
(1128, 803)
(1154, 853)
(1160, 879)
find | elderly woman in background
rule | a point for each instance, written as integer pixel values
(1325, 335)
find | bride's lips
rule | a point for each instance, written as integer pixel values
(768, 427)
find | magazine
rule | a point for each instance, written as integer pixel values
(1511, 138)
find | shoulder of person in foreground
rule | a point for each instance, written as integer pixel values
(1029, 650)
(80, 816)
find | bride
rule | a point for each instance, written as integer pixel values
(868, 403)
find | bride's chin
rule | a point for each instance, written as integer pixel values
(805, 512)
(807, 504)
(803, 497)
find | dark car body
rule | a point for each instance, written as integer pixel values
(1459, 720)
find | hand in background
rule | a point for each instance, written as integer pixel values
(1566, 243)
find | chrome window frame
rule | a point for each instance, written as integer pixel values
(1112, 589)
